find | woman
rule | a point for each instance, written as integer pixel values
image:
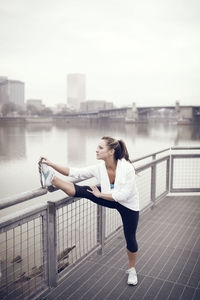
(118, 189)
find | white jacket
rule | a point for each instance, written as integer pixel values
(125, 191)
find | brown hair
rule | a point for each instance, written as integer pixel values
(119, 146)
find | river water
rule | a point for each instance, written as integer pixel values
(75, 145)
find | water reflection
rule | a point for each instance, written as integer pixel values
(74, 144)
(12, 142)
(142, 129)
(188, 133)
(37, 127)
(77, 136)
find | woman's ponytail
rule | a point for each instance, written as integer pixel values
(124, 151)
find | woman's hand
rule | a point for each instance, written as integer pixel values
(45, 161)
(95, 191)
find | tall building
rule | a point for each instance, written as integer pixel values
(76, 90)
(2, 92)
(3, 78)
(12, 91)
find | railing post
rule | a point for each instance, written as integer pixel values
(153, 181)
(45, 247)
(52, 244)
(101, 212)
(171, 173)
(168, 175)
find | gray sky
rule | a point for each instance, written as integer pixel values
(143, 51)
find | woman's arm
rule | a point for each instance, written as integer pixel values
(96, 192)
(60, 169)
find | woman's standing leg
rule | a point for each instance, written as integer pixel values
(132, 258)
(130, 221)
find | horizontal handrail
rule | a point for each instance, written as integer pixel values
(152, 163)
(29, 195)
(149, 155)
(185, 148)
(16, 199)
(164, 150)
(21, 214)
(185, 155)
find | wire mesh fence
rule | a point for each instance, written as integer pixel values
(22, 253)
(143, 181)
(185, 173)
(76, 232)
(161, 178)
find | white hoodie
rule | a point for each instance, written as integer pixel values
(125, 190)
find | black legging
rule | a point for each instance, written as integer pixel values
(129, 217)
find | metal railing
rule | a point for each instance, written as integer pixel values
(189, 167)
(42, 244)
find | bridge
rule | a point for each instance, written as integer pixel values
(180, 114)
(70, 248)
(133, 114)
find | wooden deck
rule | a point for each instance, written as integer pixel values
(168, 263)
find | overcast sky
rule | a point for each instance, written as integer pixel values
(143, 51)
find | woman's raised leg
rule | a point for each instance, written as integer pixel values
(66, 186)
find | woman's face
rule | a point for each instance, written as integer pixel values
(103, 152)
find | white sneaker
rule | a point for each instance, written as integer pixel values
(47, 174)
(132, 276)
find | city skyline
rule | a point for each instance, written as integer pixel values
(145, 52)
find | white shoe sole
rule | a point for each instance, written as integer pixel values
(47, 175)
(132, 277)
(131, 283)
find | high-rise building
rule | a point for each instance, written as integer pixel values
(76, 90)
(3, 78)
(2, 92)
(12, 91)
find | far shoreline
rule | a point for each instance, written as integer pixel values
(83, 119)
